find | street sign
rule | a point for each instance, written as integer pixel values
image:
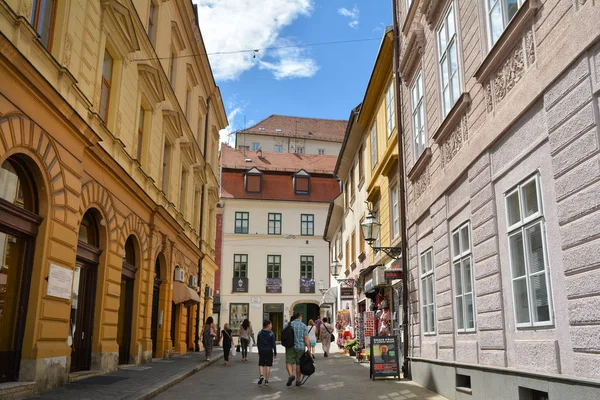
(391, 274)
(384, 357)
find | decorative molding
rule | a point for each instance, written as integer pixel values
(176, 36)
(151, 83)
(420, 164)
(414, 50)
(118, 25)
(422, 182)
(68, 50)
(26, 8)
(505, 44)
(454, 141)
(453, 117)
(410, 16)
(432, 10)
(172, 121)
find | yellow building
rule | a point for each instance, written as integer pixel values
(109, 120)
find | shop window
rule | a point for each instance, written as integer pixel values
(241, 221)
(42, 19)
(274, 267)
(107, 80)
(274, 227)
(427, 293)
(240, 265)
(307, 224)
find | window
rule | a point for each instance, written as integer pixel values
(299, 150)
(241, 222)
(166, 166)
(200, 128)
(302, 183)
(188, 102)
(347, 255)
(197, 194)
(463, 278)
(172, 67)
(243, 147)
(531, 394)
(140, 138)
(373, 146)
(378, 239)
(42, 20)
(273, 267)
(395, 212)
(361, 168)
(353, 247)
(307, 266)
(352, 185)
(307, 222)
(240, 265)
(390, 112)
(361, 238)
(527, 254)
(274, 224)
(427, 293)
(321, 152)
(183, 190)
(151, 21)
(107, 74)
(347, 194)
(277, 148)
(253, 181)
(418, 116)
(255, 146)
(499, 14)
(448, 58)
(339, 245)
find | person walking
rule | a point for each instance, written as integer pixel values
(208, 336)
(227, 342)
(326, 332)
(312, 336)
(245, 335)
(318, 323)
(267, 351)
(293, 354)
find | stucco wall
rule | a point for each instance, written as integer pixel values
(288, 144)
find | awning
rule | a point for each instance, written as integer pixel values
(330, 296)
(183, 294)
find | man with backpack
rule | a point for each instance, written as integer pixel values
(294, 351)
(267, 350)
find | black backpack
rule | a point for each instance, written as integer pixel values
(287, 336)
(307, 367)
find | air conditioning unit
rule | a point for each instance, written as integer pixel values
(179, 275)
(379, 276)
(208, 292)
(193, 281)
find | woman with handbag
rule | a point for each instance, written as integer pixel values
(245, 335)
(208, 337)
(227, 342)
(326, 336)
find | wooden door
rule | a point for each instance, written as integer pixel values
(82, 315)
(125, 319)
(154, 326)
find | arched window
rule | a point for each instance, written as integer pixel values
(129, 253)
(88, 231)
(16, 185)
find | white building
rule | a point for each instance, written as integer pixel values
(283, 134)
(273, 255)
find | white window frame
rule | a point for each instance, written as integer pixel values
(444, 58)
(373, 145)
(521, 227)
(395, 214)
(277, 148)
(462, 252)
(418, 115)
(502, 5)
(255, 146)
(427, 275)
(321, 152)
(390, 112)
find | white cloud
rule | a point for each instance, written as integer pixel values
(227, 135)
(289, 62)
(232, 25)
(353, 15)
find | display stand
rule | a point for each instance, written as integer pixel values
(384, 357)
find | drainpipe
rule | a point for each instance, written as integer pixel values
(402, 189)
(198, 316)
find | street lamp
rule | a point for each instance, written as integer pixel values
(321, 286)
(370, 229)
(335, 268)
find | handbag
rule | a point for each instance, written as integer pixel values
(332, 337)
(232, 351)
(238, 348)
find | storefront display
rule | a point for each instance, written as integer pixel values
(238, 312)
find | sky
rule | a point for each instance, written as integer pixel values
(293, 72)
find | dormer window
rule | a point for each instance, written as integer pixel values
(302, 183)
(253, 181)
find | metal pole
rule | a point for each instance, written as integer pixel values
(402, 189)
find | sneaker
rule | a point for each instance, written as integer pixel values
(290, 380)
(266, 383)
(208, 359)
(326, 355)
(298, 384)
(260, 380)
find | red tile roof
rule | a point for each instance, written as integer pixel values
(284, 162)
(276, 186)
(331, 130)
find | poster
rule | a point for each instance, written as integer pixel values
(273, 285)
(239, 285)
(369, 326)
(384, 357)
(238, 312)
(307, 285)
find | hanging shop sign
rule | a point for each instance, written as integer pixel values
(307, 285)
(384, 357)
(392, 274)
(347, 289)
(240, 285)
(273, 285)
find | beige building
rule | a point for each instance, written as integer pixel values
(109, 121)
(500, 123)
(284, 134)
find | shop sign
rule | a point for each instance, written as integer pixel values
(272, 308)
(347, 289)
(274, 285)
(307, 285)
(384, 357)
(60, 282)
(240, 285)
(392, 274)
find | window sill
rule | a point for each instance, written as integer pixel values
(353, 265)
(361, 182)
(362, 256)
(545, 326)
(420, 164)
(506, 42)
(464, 390)
(453, 118)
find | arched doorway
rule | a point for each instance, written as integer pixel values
(19, 222)
(308, 310)
(155, 306)
(130, 266)
(83, 294)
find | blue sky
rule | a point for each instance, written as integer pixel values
(323, 81)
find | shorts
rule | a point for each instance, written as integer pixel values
(313, 344)
(265, 358)
(292, 356)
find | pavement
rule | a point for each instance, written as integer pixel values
(337, 377)
(135, 382)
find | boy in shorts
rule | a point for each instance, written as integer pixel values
(267, 350)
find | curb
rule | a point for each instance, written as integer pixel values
(161, 386)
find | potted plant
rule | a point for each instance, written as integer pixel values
(357, 350)
(350, 346)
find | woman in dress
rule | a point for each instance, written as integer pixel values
(208, 336)
(312, 336)
(227, 342)
(326, 332)
(245, 335)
